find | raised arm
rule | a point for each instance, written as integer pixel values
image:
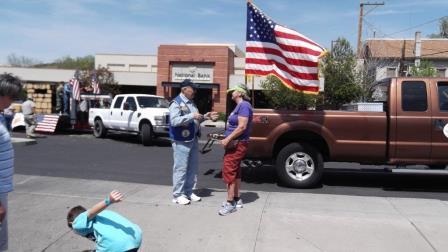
(113, 197)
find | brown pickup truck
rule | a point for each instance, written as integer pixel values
(408, 129)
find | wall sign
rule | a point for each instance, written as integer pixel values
(196, 73)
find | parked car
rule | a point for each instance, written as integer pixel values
(147, 115)
(408, 130)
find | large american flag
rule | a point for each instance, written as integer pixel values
(76, 90)
(272, 49)
(95, 85)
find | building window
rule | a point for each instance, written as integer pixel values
(138, 68)
(441, 72)
(115, 65)
(391, 72)
(414, 96)
(135, 65)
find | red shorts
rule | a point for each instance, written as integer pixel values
(231, 169)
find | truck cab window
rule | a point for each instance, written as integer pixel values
(152, 102)
(118, 102)
(442, 88)
(131, 103)
(414, 96)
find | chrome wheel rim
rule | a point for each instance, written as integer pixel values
(97, 127)
(299, 166)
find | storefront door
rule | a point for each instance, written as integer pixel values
(202, 99)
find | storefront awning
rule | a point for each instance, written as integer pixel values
(198, 85)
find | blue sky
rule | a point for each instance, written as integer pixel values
(49, 29)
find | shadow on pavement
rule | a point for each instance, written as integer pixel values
(135, 139)
(361, 182)
(247, 197)
(387, 181)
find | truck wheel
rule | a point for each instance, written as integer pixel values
(146, 134)
(299, 165)
(99, 131)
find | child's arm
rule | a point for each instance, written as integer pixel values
(113, 197)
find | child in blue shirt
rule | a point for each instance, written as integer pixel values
(110, 231)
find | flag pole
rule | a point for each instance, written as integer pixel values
(251, 77)
(253, 92)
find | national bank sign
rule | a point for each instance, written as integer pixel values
(196, 73)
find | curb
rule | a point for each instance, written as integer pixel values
(22, 141)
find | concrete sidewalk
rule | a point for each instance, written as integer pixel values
(268, 221)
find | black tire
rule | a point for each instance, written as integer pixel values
(305, 168)
(146, 134)
(437, 167)
(99, 131)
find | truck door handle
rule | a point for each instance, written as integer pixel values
(111, 113)
(121, 112)
(439, 124)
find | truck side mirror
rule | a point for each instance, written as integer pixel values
(126, 106)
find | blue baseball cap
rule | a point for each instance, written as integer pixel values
(188, 83)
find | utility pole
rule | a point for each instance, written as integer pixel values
(361, 16)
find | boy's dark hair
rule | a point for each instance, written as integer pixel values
(73, 213)
(10, 85)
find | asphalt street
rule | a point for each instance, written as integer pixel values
(120, 157)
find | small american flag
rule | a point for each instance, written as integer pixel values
(272, 49)
(95, 85)
(76, 91)
(47, 123)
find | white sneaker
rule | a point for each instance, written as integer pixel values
(193, 197)
(239, 203)
(181, 200)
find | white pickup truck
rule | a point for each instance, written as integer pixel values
(147, 115)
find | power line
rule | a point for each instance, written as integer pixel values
(416, 26)
(446, 51)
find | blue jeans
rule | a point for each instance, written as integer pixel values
(185, 167)
(66, 102)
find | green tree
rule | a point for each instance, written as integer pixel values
(105, 78)
(21, 61)
(443, 29)
(67, 62)
(341, 76)
(426, 69)
(281, 97)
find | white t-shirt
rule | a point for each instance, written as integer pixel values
(27, 107)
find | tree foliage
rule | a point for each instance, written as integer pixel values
(426, 69)
(21, 61)
(341, 76)
(105, 79)
(443, 29)
(67, 62)
(281, 97)
(367, 76)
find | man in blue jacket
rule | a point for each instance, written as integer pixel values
(185, 122)
(10, 88)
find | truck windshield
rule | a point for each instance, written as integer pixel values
(152, 102)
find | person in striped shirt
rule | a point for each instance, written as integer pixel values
(10, 88)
